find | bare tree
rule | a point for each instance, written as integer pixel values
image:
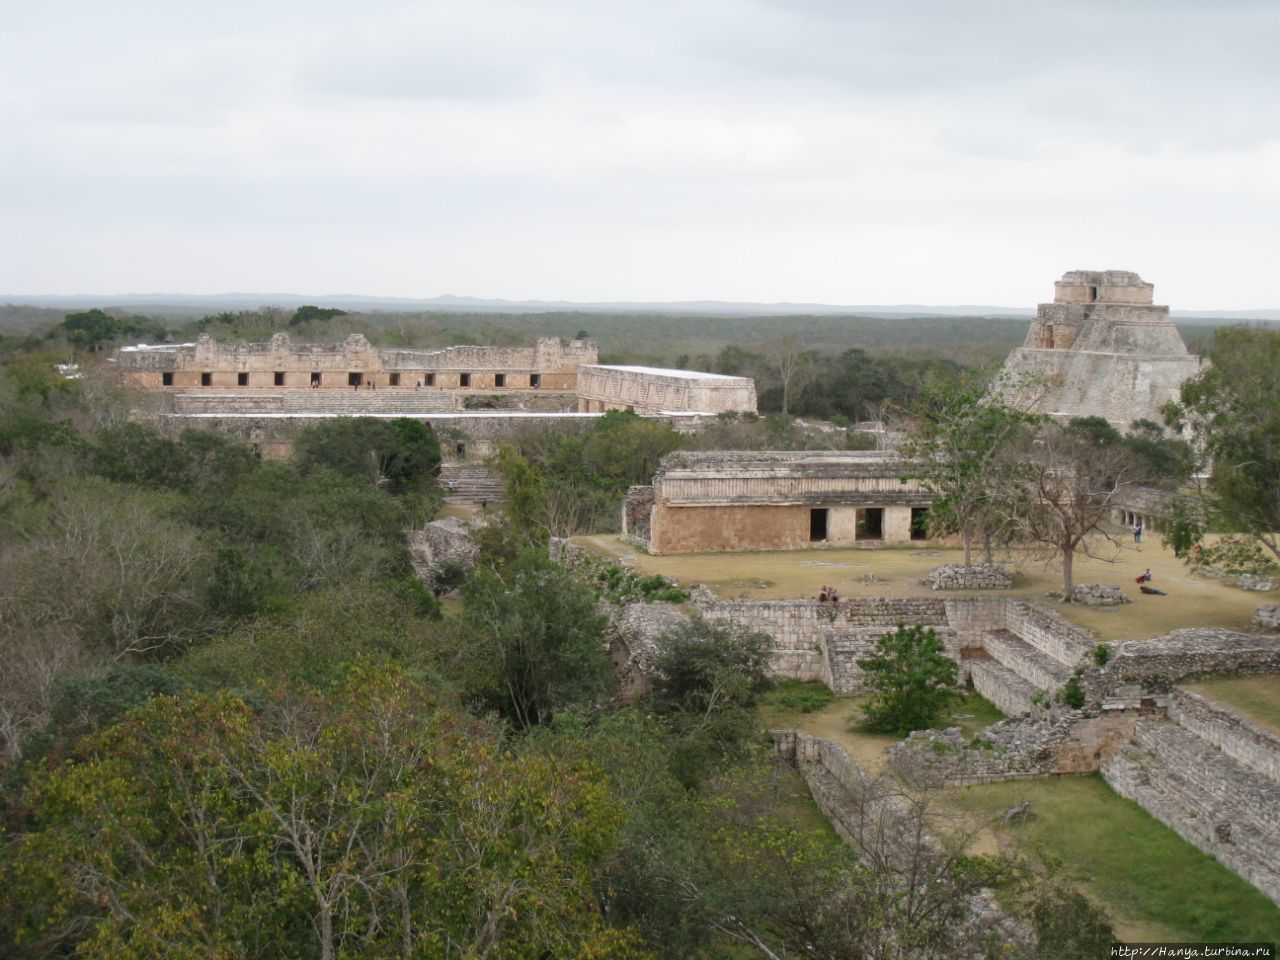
(1065, 491)
(787, 358)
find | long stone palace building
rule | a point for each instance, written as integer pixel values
(1101, 348)
(263, 393)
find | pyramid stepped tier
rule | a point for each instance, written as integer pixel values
(1101, 348)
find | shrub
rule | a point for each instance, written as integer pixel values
(913, 678)
(1102, 654)
(1072, 693)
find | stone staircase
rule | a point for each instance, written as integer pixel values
(336, 402)
(1225, 808)
(1019, 671)
(469, 484)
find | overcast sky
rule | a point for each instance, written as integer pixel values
(838, 151)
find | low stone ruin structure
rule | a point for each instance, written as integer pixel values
(1098, 595)
(1101, 348)
(775, 500)
(1267, 616)
(980, 576)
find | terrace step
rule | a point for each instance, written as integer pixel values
(1012, 694)
(1036, 667)
(1214, 802)
(468, 484)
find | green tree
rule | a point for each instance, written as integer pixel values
(308, 313)
(1233, 411)
(94, 329)
(368, 819)
(706, 681)
(912, 679)
(538, 639)
(959, 446)
(399, 454)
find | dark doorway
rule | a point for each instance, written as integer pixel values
(395, 380)
(460, 450)
(818, 525)
(206, 379)
(242, 379)
(499, 379)
(919, 523)
(1093, 294)
(535, 380)
(464, 380)
(166, 379)
(871, 524)
(355, 379)
(431, 379)
(315, 379)
(279, 378)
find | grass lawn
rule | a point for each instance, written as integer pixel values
(1254, 698)
(1154, 884)
(811, 707)
(897, 571)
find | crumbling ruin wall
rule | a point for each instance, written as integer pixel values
(1159, 663)
(1220, 806)
(799, 627)
(1231, 733)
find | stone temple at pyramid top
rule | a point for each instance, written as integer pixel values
(1101, 348)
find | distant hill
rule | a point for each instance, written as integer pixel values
(188, 303)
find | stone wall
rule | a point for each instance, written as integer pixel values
(800, 628)
(1235, 736)
(653, 390)
(1053, 743)
(478, 431)
(1049, 632)
(1196, 651)
(1215, 803)
(883, 824)
(956, 576)
(637, 513)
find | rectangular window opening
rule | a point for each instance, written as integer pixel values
(919, 523)
(499, 379)
(535, 380)
(394, 380)
(315, 379)
(242, 379)
(870, 524)
(431, 379)
(166, 379)
(206, 379)
(464, 380)
(818, 524)
(355, 379)
(279, 378)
